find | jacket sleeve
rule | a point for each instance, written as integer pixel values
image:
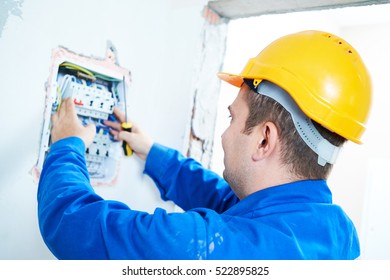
(186, 182)
(76, 223)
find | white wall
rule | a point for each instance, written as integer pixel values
(156, 39)
(373, 157)
(359, 180)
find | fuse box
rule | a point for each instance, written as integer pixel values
(96, 87)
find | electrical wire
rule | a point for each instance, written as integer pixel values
(72, 66)
(76, 67)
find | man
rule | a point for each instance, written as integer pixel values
(299, 99)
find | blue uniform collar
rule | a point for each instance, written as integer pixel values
(307, 191)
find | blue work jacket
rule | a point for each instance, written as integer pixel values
(291, 221)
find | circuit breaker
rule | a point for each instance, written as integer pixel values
(96, 87)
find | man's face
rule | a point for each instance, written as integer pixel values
(237, 145)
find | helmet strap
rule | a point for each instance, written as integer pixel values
(327, 152)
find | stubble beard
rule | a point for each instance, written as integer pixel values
(236, 181)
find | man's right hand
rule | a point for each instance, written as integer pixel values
(139, 142)
(65, 123)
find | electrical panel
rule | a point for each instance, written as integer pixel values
(96, 87)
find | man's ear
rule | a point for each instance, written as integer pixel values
(267, 140)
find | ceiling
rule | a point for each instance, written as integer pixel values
(233, 9)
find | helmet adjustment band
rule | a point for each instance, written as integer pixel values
(327, 152)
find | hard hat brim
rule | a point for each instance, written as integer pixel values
(232, 79)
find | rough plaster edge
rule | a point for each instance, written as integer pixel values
(194, 141)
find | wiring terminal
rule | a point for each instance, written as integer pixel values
(95, 96)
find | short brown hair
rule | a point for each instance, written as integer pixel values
(301, 160)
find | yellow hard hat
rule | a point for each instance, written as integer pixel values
(324, 75)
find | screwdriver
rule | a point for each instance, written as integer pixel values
(126, 126)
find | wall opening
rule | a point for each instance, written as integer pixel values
(96, 87)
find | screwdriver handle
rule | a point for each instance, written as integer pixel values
(126, 126)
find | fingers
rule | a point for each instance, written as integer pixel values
(68, 124)
(114, 125)
(54, 118)
(115, 134)
(120, 116)
(70, 107)
(116, 128)
(89, 134)
(65, 123)
(138, 141)
(124, 136)
(127, 137)
(67, 107)
(62, 109)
